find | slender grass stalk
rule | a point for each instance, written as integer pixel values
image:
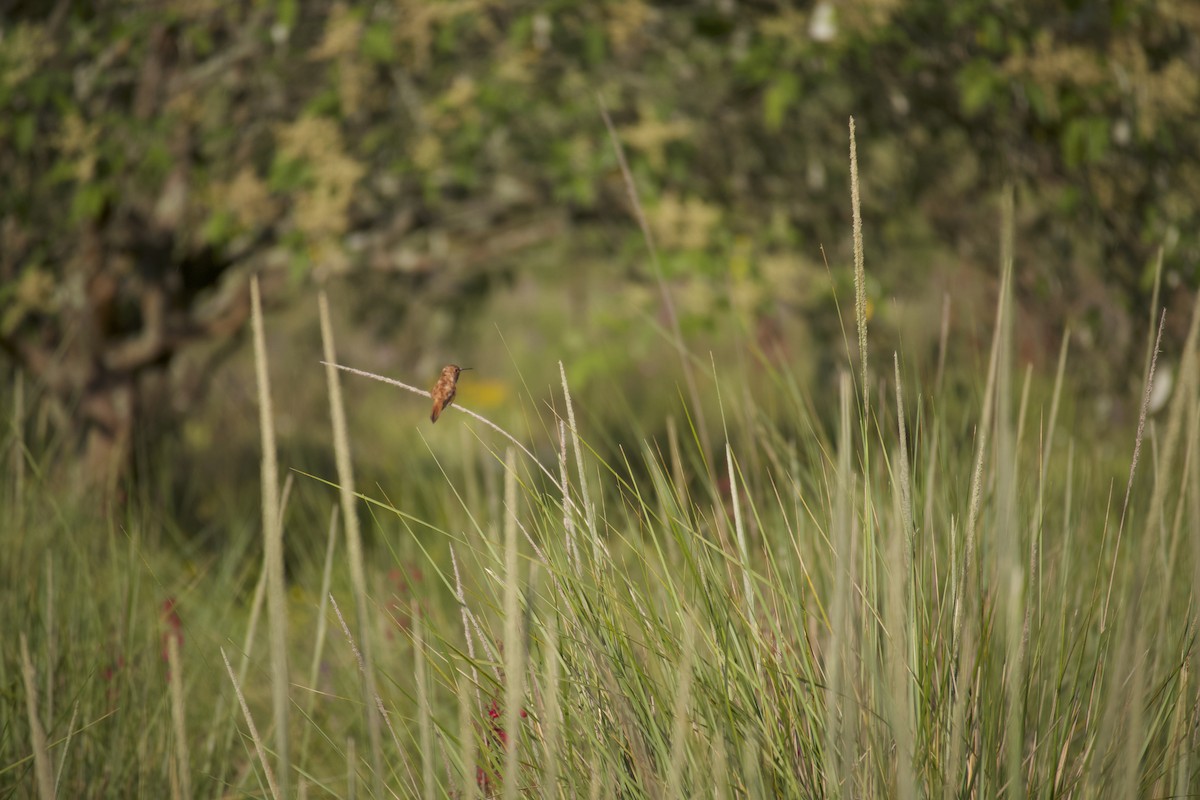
(1181, 734)
(514, 645)
(743, 553)
(272, 546)
(838, 759)
(551, 723)
(904, 479)
(460, 597)
(62, 760)
(466, 739)
(424, 711)
(899, 619)
(1137, 450)
(354, 549)
(314, 666)
(254, 737)
(179, 716)
(37, 734)
(51, 634)
(222, 710)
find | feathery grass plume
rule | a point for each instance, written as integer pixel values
(568, 507)
(358, 580)
(37, 734)
(514, 645)
(179, 716)
(272, 544)
(860, 281)
(689, 376)
(272, 785)
(869, 554)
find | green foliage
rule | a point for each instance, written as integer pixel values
(326, 137)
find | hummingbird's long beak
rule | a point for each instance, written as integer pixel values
(464, 369)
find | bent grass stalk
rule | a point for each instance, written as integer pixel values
(254, 737)
(456, 407)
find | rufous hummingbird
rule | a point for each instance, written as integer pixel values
(445, 389)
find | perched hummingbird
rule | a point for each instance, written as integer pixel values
(444, 390)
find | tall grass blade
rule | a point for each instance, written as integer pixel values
(314, 666)
(272, 545)
(551, 722)
(514, 645)
(354, 549)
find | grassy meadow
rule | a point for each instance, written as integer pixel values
(880, 592)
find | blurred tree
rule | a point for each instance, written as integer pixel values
(157, 152)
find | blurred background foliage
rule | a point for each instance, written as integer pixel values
(444, 167)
